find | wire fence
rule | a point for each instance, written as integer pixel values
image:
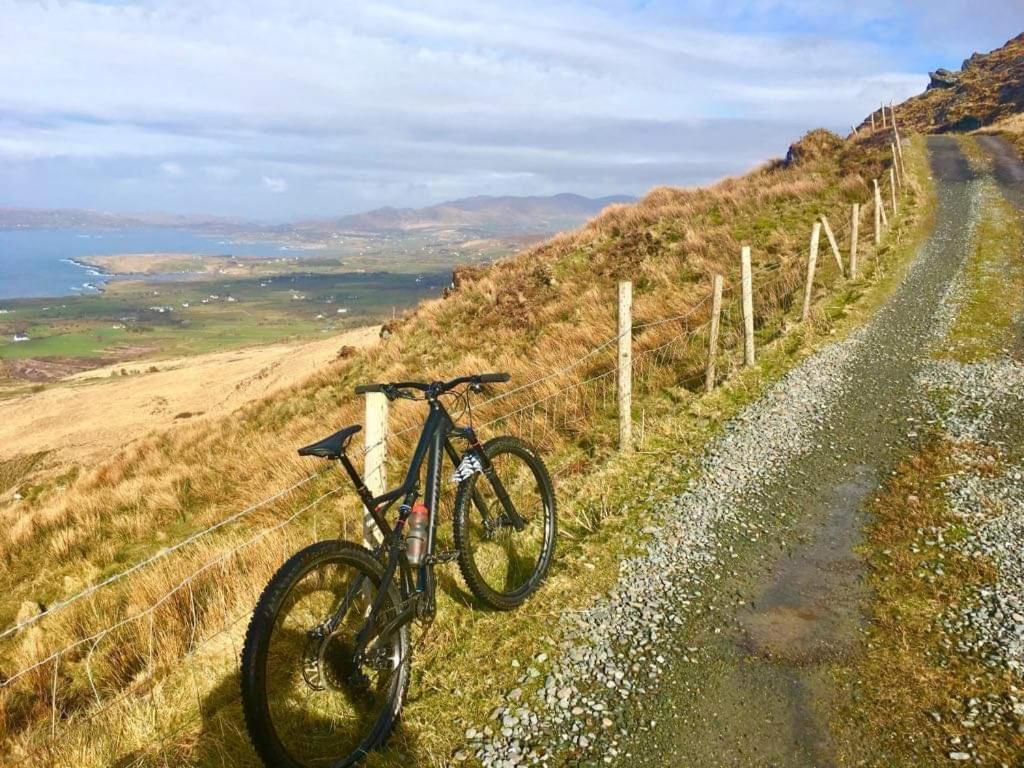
(103, 668)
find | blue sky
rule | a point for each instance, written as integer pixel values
(277, 110)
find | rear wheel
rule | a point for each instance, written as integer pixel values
(308, 700)
(501, 565)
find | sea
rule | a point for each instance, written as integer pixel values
(36, 263)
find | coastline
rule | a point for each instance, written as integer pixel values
(96, 271)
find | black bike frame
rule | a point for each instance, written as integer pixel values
(433, 444)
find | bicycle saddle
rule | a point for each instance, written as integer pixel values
(331, 447)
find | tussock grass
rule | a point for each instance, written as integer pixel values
(13, 471)
(530, 315)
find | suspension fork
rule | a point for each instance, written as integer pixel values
(511, 512)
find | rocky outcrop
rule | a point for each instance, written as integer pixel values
(943, 78)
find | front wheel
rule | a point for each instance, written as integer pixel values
(308, 698)
(502, 565)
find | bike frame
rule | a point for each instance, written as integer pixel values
(417, 589)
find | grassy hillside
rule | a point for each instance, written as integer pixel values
(533, 315)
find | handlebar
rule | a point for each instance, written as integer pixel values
(393, 390)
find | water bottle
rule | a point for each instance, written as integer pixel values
(416, 539)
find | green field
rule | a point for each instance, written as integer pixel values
(262, 300)
(127, 321)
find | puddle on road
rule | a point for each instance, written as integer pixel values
(808, 612)
(762, 694)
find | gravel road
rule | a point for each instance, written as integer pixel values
(714, 647)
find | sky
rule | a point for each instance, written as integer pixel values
(293, 109)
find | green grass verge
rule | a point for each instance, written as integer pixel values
(989, 320)
(910, 690)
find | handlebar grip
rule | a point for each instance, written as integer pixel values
(494, 378)
(362, 389)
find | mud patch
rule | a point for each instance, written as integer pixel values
(809, 611)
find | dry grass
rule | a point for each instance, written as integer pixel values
(92, 414)
(530, 315)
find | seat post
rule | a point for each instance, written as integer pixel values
(364, 493)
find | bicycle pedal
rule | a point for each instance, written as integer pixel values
(444, 557)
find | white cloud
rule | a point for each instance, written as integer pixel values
(275, 184)
(395, 101)
(172, 169)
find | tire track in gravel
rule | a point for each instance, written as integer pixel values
(714, 647)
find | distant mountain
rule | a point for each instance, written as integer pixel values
(72, 218)
(482, 215)
(523, 215)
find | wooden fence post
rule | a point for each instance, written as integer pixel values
(892, 187)
(854, 231)
(878, 214)
(625, 376)
(833, 244)
(873, 122)
(374, 460)
(716, 316)
(748, 306)
(895, 164)
(883, 115)
(812, 263)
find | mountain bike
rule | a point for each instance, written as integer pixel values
(326, 660)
